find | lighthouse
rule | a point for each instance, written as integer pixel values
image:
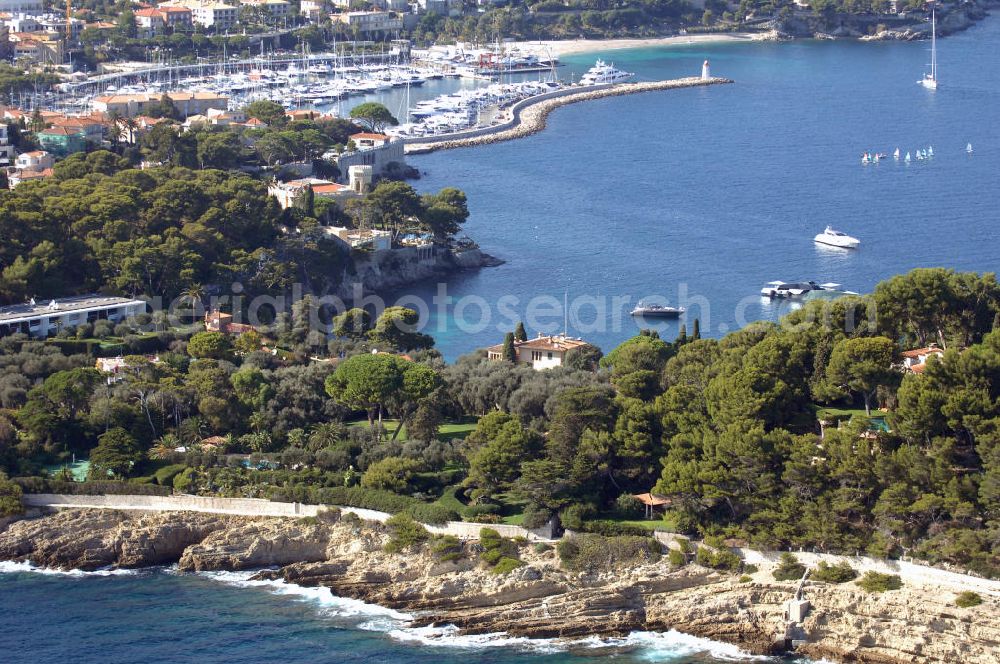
(706, 71)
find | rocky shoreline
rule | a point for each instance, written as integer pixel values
(537, 600)
(384, 271)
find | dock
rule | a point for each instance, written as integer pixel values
(528, 116)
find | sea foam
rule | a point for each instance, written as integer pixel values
(380, 618)
(649, 646)
(23, 567)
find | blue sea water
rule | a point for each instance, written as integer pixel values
(698, 196)
(161, 616)
(702, 195)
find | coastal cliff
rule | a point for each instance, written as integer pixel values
(383, 271)
(540, 599)
(876, 27)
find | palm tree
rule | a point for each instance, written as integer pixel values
(194, 294)
(164, 447)
(326, 434)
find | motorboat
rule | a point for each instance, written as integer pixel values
(657, 311)
(602, 73)
(835, 238)
(781, 289)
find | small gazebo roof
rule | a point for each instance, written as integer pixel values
(651, 499)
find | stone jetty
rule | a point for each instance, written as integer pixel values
(529, 115)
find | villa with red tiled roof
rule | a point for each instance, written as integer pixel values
(542, 352)
(915, 361)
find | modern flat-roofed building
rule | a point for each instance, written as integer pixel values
(47, 318)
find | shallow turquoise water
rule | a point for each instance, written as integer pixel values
(702, 195)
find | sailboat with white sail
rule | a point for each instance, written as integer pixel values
(929, 80)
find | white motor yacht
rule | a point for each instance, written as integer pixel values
(837, 239)
(603, 73)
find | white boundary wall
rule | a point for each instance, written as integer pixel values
(250, 507)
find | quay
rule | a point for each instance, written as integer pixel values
(528, 116)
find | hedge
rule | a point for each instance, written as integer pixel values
(371, 499)
(46, 485)
(613, 529)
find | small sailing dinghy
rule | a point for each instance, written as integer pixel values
(895, 155)
(968, 148)
(907, 159)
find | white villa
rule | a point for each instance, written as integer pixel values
(542, 352)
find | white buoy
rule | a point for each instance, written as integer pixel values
(706, 71)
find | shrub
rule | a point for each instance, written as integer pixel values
(10, 497)
(373, 499)
(629, 506)
(842, 572)
(715, 541)
(92, 488)
(391, 474)
(874, 582)
(746, 578)
(685, 545)
(573, 517)
(506, 565)
(723, 559)
(589, 553)
(405, 533)
(430, 513)
(165, 476)
(676, 558)
(542, 547)
(789, 569)
(447, 548)
(612, 529)
(967, 599)
(497, 549)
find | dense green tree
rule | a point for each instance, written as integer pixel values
(373, 116)
(269, 112)
(398, 328)
(861, 365)
(213, 345)
(115, 455)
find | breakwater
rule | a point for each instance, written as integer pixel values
(528, 116)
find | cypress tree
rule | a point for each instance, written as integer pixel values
(682, 336)
(696, 332)
(519, 333)
(509, 352)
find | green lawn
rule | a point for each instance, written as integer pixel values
(447, 431)
(840, 413)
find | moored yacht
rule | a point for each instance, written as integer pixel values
(602, 73)
(837, 239)
(657, 311)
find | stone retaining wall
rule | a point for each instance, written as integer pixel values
(528, 116)
(254, 507)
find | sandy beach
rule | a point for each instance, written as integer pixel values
(575, 46)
